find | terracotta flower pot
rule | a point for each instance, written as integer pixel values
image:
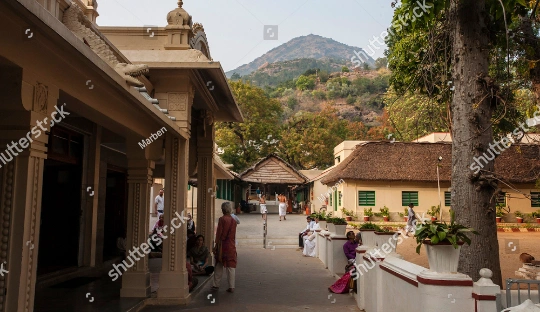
(537, 220)
(433, 218)
(405, 219)
(386, 219)
(366, 219)
(348, 218)
(519, 220)
(499, 219)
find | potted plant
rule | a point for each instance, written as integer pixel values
(349, 214)
(382, 237)
(404, 214)
(367, 231)
(330, 225)
(368, 213)
(434, 212)
(340, 225)
(519, 216)
(536, 214)
(385, 213)
(443, 243)
(500, 213)
(321, 215)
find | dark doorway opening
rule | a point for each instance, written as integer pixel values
(115, 211)
(61, 202)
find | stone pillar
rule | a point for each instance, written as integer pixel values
(136, 281)
(21, 180)
(205, 180)
(173, 279)
(485, 292)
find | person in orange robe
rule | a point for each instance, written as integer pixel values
(226, 234)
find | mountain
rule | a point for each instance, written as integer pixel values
(305, 47)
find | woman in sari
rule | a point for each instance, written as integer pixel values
(199, 257)
(225, 249)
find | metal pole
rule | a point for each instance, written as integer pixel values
(439, 187)
(265, 229)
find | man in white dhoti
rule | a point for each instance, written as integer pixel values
(310, 241)
(282, 206)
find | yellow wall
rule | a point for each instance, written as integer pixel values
(389, 194)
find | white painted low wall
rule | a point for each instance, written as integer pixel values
(389, 283)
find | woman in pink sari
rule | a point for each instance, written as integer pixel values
(226, 234)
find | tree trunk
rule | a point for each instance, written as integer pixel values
(472, 108)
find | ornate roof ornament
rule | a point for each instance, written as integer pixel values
(179, 16)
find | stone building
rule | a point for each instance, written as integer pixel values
(70, 187)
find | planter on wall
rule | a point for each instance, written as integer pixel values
(519, 220)
(386, 219)
(537, 220)
(368, 237)
(442, 257)
(499, 219)
(348, 218)
(366, 219)
(405, 219)
(331, 227)
(341, 229)
(433, 218)
(322, 225)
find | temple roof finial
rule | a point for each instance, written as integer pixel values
(180, 3)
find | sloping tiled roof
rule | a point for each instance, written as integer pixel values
(417, 162)
(273, 169)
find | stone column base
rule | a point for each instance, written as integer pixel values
(135, 285)
(173, 285)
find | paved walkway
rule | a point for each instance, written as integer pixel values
(271, 280)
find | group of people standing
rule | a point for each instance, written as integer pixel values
(283, 205)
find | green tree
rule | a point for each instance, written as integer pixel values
(236, 76)
(345, 69)
(244, 143)
(308, 139)
(381, 62)
(305, 83)
(468, 57)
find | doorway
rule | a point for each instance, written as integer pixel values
(115, 211)
(61, 202)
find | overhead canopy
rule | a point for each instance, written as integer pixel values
(273, 170)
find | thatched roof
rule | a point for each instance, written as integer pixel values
(273, 170)
(417, 162)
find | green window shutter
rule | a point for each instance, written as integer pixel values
(339, 198)
(220, 189)
(408, 197)
(330, 200)
(501, 199)
(366, 198)
(535, 199)
(229, 190)
(447, 199)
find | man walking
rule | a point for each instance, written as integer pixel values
(159, 203)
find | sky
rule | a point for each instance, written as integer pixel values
(235, 28)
